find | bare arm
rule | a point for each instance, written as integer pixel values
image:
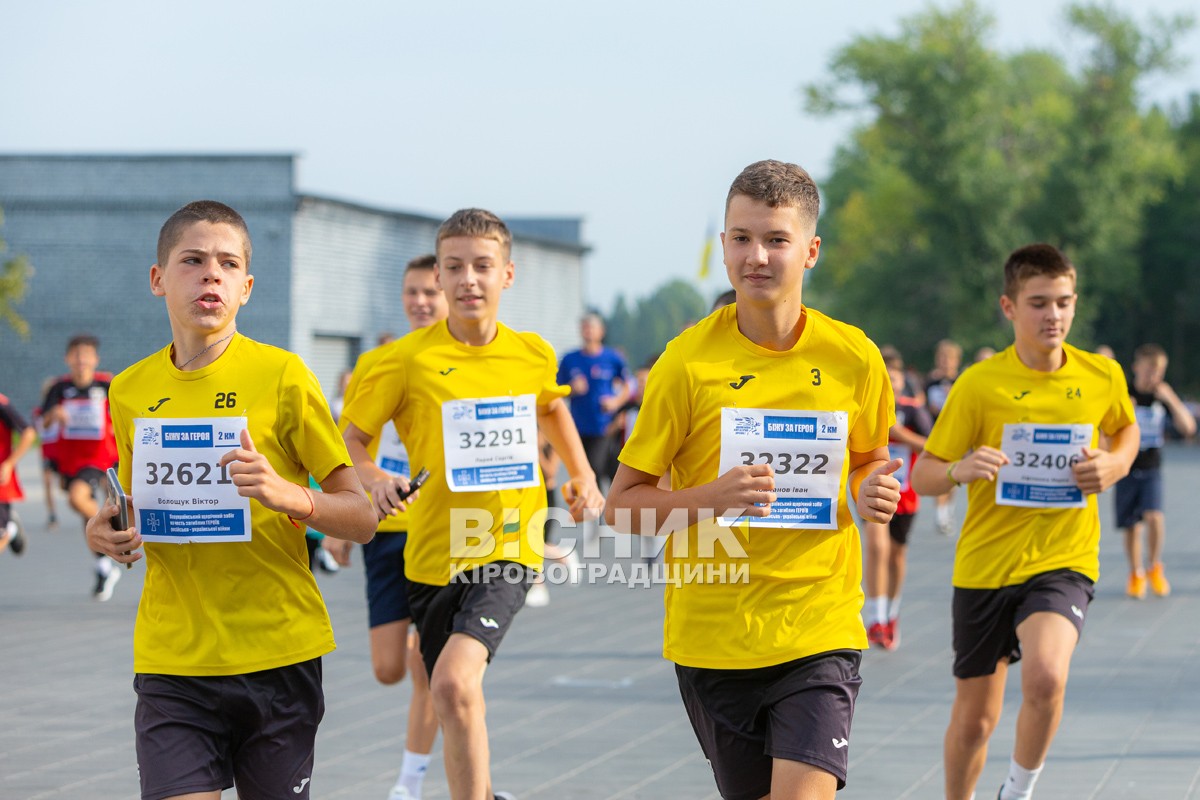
(875, 491)
(1100, 469)
(933, 476)
(908, 437)
(1181, 417)
(8, 465)
(384, 490)
(634, 492)
(340, 510)
(580, 491)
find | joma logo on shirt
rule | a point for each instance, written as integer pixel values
(744, 380)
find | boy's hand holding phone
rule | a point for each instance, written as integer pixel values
(109, 532)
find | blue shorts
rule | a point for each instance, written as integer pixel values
(1138, 492)
(387, 590)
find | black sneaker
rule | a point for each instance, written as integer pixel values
(17, 543)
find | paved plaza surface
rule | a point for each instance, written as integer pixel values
(581, 703)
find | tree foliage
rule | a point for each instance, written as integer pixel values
(643, 330)
(968, 153)
(14, 282)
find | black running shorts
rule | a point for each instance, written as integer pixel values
(800, 711)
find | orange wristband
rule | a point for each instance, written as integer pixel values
(311, 509)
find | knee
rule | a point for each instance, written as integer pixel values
(1042, 684)
(974, 731)
(389, 672)
(454, 696)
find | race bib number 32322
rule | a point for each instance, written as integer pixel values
(805, 451)
(180, 492)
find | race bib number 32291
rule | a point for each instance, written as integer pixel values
(490, 443)
(180, 492)
(805, 451)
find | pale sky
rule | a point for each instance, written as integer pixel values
(634, 115)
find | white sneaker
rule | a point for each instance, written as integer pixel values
(106, 587)
(400, 792)
(538, 596)
(326, 562)
(574, 567)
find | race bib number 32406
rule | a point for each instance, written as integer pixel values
(805, 451)
(1040, 457)
(180, 492)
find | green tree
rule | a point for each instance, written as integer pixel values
(967, 153)
(654, 320)
(14, 282)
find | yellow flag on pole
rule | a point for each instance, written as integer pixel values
(706, 252)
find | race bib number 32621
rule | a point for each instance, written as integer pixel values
(180, 492)
(1040, 457)
(805, 451)
(490, 443)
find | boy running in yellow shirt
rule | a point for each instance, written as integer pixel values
(771, 415)
(467, 397)
(217, 435)
(1021, 430)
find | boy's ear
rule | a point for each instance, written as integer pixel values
(156, 277)
(1007, 306)
(509, 274)
(246, 289)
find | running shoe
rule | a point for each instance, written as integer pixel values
(504, 796)
(538, 596)
(106, 583)
(1156, 577)
(1136, 587)
(326, 562)
(878, 634)
(400, 792)
(893, 634)
(17, 542)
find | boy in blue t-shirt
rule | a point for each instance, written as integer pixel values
(599, 381)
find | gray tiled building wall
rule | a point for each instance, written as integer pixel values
(328, 273)
(89, 225)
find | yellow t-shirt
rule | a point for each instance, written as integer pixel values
(802, 593)
(1003, 545)
(409, 386)
(397, 523)
(234, 607)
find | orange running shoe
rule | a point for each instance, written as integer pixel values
(1136, 588)
(1158, 580)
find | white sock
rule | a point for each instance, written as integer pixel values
(11, 527)
(104, 565)
(876, 610)
(412, 772)
(1019, 783)
(894, 608)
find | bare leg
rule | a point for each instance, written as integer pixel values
(878, 545)
(795, 780)
(1155, 534)
(1047, 642)
(977, 705)
(389, 651)
(457, 688)
(422, 719)
(1133, 547)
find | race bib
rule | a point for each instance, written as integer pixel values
(85, 418)
(805, 450)
(180, 494)
(1038, 474)
(392, 456)
(1152, 421)
(490, 443)
(896, 450)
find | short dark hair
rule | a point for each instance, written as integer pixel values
(83, 340)
(1034, 260)
(427, 262)
(725, 298)
(199, 211)
(778, 183)
(1148, 351)
(891, 357)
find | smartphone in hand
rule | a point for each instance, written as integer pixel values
(116, 496)
(416, 483)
